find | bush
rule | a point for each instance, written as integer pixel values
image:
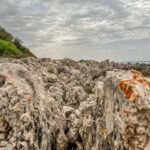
(13, 47)
(9, 49)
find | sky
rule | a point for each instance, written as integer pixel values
(118, 30)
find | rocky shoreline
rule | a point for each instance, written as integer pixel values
(74, 105)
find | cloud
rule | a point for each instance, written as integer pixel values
(52, 27)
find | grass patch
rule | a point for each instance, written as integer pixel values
(64, 96)
(51, 71)
(88, 89)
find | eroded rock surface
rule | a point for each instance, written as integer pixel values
(67, 105)
(127, 110)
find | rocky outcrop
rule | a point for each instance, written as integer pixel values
(127, 109)
(66, 105)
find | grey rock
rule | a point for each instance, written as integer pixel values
(85, 105)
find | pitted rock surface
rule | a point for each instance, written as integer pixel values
(68, 105)
(127, 109)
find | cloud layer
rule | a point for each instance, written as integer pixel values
(81, 29)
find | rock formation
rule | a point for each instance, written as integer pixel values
(67, 105)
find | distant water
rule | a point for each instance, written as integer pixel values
(140, 62)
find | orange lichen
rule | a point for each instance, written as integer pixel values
(125, 111)
(136, 97)
(103, 132)
(142, 76)
(148, 83)
(126, 87)
(144, 82)
(140, 81)
(135, 74)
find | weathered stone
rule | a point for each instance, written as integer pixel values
(68, 110)
(127, 110)
(84, 105)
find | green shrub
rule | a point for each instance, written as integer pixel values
(13, 48)
(9, 49)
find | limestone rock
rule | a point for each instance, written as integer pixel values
(127, 110)
(26, 119)
(67, 105)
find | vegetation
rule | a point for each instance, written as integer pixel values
(64, 96)
(4, 35)
(82, 60)
(12, 47)
(9, 49)
(51, 71)
(88, 89)
(25, 50)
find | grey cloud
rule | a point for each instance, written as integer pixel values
(80, 24)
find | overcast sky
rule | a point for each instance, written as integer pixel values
(118, 30)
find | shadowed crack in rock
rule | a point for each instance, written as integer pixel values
(2, 80)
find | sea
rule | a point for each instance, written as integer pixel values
(134, 62)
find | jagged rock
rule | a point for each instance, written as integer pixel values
(52, 78)
(28, 116)
(62, 104)
(75, 95)
(67, 110)
(62, 142)
(127, 110)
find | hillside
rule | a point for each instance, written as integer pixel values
(11, 47)
(73, 105)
